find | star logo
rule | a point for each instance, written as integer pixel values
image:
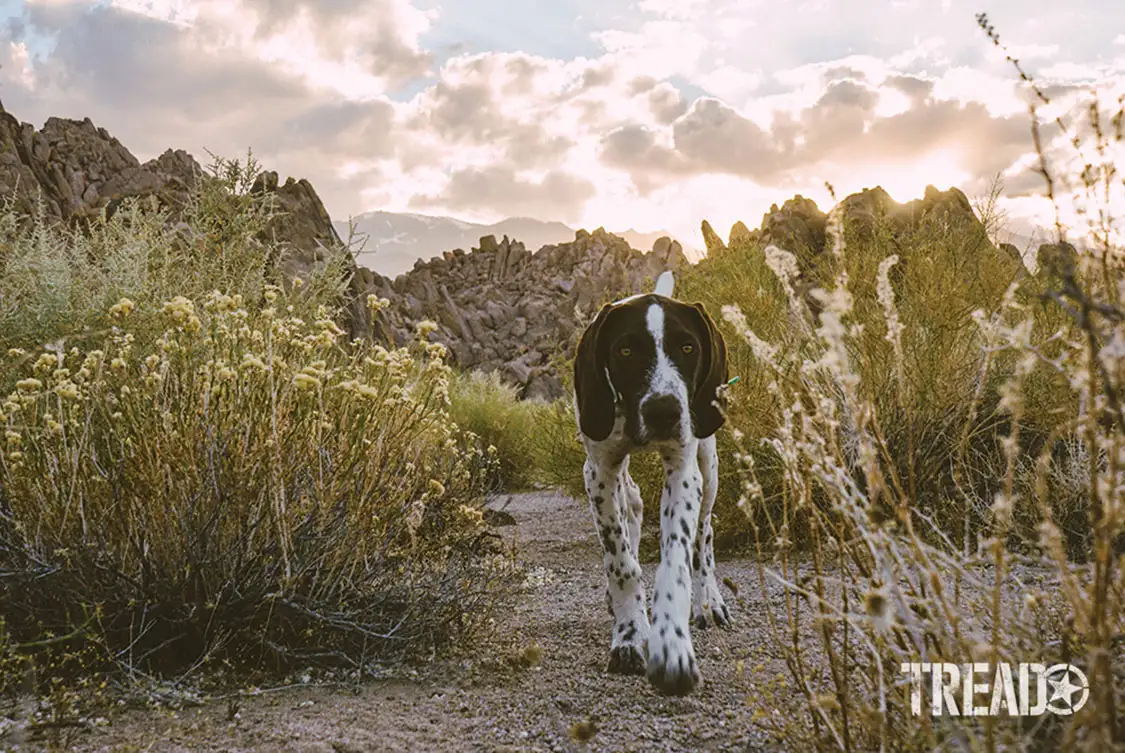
(1067, 681)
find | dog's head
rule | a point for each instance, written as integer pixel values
(661, 360)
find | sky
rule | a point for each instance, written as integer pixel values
(643, 114)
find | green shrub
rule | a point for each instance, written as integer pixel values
(59, 281)
(558, 450)
(883, 583)
(504, 425)
(953, 475)
(934, 383)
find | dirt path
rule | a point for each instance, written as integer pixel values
(486, 704)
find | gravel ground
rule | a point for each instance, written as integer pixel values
(489, 702)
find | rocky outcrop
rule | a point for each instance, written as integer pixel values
(1017, 259)
(502, 308)
(711, 240)
(740, 234)
(1056, 258)
(302, 231)
(72, 171)
(800, 227)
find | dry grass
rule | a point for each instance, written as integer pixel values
(941, 489)
(506, 428)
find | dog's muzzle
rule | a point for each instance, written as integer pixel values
(661, 415)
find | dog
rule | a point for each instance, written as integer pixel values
(647, 376)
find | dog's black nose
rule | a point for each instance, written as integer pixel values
(662, 415)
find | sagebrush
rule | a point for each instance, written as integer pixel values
(220, 478)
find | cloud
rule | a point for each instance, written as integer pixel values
(1023, 181)
(113, 59)
(333, 128)
(208, 85)
(643, 116)
(666, 102)
(501, 191)
(918, 89)
(714, 138)
(842, 128)
(379, 37)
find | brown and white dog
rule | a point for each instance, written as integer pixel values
(647, 375)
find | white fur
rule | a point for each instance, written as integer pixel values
(665, 378)
(707, 600)
(670, 650)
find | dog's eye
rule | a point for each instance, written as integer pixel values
(625, 352)
(687, 348)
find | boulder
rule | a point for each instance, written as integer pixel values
(1056, 259)
(741, 234)
(711, 239)
(798, 227)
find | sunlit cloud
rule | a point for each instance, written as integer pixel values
(650, 115)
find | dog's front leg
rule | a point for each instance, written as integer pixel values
(605, 484)
(671, 659)
(708, 601)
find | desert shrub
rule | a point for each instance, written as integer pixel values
(876, 580)
(59, 280)
(927, 378)
(504, 425)
(880, 592)
(192, 478)
(247, 488)
(558, 449)
(742, 274)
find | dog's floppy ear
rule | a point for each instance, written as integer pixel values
(705, 417)
(592, 391)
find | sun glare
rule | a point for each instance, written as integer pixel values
(907, 180)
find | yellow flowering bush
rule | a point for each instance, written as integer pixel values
(237, 483)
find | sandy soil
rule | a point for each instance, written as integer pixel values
(488, 702)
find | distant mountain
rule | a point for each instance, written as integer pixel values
(393, 241)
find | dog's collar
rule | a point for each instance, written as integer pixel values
(724, 387)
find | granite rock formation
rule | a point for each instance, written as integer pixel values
(500, 307)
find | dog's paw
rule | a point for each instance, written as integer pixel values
(627, 654)
(708, 606)
(627, 659)
(671, 661)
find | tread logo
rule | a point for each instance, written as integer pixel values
(978, 689)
